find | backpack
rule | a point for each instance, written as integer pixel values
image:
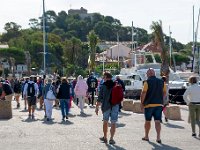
(117, 95)
(7, 89)
(93, 83)
(17, 87)
(31, 90)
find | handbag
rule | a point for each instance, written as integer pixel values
(50, 95)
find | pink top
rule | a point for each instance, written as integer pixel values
(81, 88)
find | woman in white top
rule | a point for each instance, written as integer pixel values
(192, 98)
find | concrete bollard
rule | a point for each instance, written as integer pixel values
(173, 112)
(5, 109)
(127, 105)
(137, 107)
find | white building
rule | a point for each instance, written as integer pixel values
(21, 68)
(118, 51)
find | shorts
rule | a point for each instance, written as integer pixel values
(111, 113)
(155, 112)
(31, 101)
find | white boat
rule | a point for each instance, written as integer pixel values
(135, 76)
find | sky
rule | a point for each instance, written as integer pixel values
(174, 13)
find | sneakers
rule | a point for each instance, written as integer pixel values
(33, 117)
(66, 117)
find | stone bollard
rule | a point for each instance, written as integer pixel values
(137, 107)
(173, 112)
(5, 109)
(127, 105)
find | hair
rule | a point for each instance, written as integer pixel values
(107, 75)
(64, 80)
(79, 77)
(164, 78)
(49, 80)
(192, 79)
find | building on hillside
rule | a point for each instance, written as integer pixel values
(116, 51)
(21, 68)
(4, 46)
(111, 54)
(82, 12)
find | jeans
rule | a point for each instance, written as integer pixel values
(111, 113)
(64, 104)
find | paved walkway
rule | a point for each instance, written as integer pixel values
(83, 132)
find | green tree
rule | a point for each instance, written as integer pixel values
(159, 41)
(93, 40)
(12, 31)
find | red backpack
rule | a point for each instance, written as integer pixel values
(117, 94)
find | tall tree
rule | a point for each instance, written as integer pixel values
(93, 40)
(159, 41)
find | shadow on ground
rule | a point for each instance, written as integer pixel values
(29, 120)
(169, 125)
(163, 146)
(84, 115)
(67, 122)
(114, 147)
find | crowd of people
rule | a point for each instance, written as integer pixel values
(60, 92)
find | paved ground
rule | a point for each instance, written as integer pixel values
(83, 132)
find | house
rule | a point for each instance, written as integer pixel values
(116, 51)
(20, 68)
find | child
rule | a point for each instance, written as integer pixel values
(165, 99)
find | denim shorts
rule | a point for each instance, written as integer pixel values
(155, 112)
(111, 113)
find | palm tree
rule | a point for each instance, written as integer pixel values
(160, 44)
(93, 40)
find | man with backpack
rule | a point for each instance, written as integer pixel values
(109, 105)
(17, 91)
(30, 92)
(92, 85)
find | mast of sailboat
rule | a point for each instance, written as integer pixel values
(170, 48)
(118, 48)
(132, 37)
(193, 45)
(44, 36)
(196, 34)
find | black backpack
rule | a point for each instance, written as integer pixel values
(17, 87)
(7, 89)
(31, 90)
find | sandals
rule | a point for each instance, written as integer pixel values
(145, 139)
(104, 140)
(111, 141)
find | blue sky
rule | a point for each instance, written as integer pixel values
(174, 13)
